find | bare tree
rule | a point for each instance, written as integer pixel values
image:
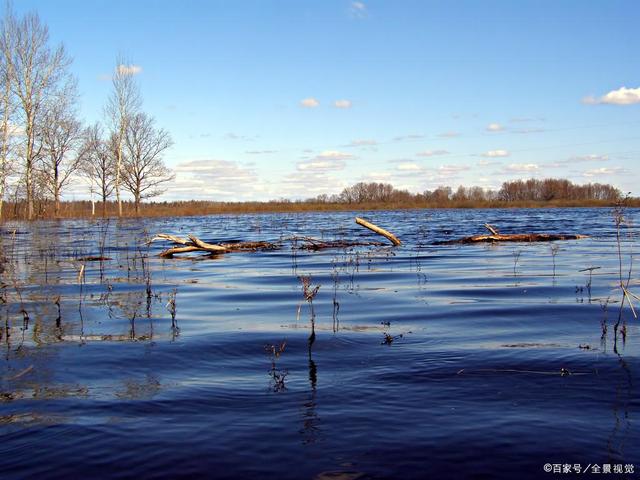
(61, 138)
(144, 171)
(37, 70)
(7, 103)
(99, 164)
(122, 105)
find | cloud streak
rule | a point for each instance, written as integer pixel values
(495, 154)
(344, 104)
(432, 153)
(123, 69)
(521, 168)
(330, 160)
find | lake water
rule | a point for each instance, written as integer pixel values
(442, 361)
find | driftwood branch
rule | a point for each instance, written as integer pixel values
(207, 246)
(171, 238)
(514, 237)
(194, 244)
(380, 231)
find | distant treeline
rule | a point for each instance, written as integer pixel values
(361, 196)
(532, 190)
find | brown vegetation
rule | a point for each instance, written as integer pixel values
(518, 194)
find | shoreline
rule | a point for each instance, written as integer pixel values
(82, 210)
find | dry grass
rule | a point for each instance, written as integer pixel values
(82, 209)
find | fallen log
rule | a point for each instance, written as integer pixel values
(309, 243)
(194, 244)
(94, 259)
(380, 231)
(514, 237)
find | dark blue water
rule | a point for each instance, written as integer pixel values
(427, 361)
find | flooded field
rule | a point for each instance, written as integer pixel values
(451, 361)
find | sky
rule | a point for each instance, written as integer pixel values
(292, 99)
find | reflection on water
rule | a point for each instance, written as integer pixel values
(476, 361)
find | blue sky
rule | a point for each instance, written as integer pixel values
(268, 99)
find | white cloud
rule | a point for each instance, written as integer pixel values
(408, 167)
(213, 179)
(128, 69)
(494, 127)
(358, 9)
(343, 103)
(309, 102)
(488, 163)
(596, 172)
(306, 184)
(377, 177)
(330, 160)
(587, 158)
(432, 153)
(496, 153)
(447, 171)
(522, 168)
(321, 165)
(335, 154)
(622, 96)
(260, 152)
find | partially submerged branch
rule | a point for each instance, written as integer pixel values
(492, 229)
(380, 231)
(194, 244)
(514, 237)
(309, 243)
(496, 236)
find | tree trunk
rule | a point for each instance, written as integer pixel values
(29, 168)
(56, 209)
(29, 193)
(119, 166)
(104, 201)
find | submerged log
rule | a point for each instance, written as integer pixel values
(310, 243)
(514, 237)
(380, 231)
(194, 244)
(94, 259)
